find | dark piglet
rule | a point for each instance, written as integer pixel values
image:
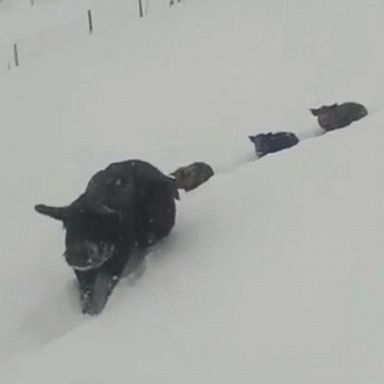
(191, 176)
(331, 117)
(125, 209)
(266, 143)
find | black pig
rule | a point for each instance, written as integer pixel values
(331, 117)
(273, 142)
(125, 209)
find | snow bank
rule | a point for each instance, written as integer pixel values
(274, 269)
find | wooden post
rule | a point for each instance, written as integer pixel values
(141, 10)
(90, 22)
(16, 54)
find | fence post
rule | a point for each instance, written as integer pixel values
(141, 10)
(16, 54)
(90, 22)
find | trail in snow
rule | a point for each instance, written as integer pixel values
(304, 135)
(46, 330)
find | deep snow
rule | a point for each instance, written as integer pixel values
(274, 270)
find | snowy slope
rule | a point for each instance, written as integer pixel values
(51, 24)
(273, 272)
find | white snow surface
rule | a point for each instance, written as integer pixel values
(274, 270)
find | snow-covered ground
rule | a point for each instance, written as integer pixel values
(48, 24)
(274, 270)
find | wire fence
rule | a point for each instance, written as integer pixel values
(18, 52)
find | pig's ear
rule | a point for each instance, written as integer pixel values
(314, 111)
(57, 213)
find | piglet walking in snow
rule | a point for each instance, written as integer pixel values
(273, 142)
(191, 176)
(331, 117)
